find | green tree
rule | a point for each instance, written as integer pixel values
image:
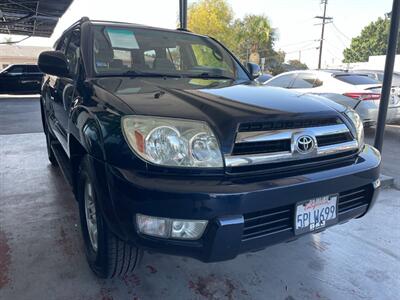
(297, 65)
(213, 18)
(255, 36)
(372, 41)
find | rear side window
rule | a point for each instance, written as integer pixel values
(356, 79)
(32, 69)
(283, 81)
(304, 81)
(15, 70)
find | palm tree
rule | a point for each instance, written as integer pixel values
(255, 34)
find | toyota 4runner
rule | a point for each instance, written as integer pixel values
(170, 145)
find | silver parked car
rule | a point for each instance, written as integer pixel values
(394, 101)
(355, 90)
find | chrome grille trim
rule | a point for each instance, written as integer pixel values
(260, 136)
(286, 134)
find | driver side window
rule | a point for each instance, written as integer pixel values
(73, 53)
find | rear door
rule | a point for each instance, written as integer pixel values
(31, 79)
(10, 81)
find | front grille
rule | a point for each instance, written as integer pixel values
(267, 222)
(276, 220)
(333, 139)
(288, 124)
(354, 198)
(261, 147)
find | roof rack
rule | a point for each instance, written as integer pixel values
(80, 21)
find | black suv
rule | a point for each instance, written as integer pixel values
(170, 145)
(21, 79)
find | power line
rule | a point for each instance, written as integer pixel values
(338, 30)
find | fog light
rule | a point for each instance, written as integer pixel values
(376, 183)
(152, 225)
(188, 230)
(171, 228)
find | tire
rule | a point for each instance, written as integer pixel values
(50, 153)
(108, 256)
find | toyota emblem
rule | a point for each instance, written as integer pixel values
(305, 144)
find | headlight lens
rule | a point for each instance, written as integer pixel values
(172, 142)
(358, 127)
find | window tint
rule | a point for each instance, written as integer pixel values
(16, 70)
(161, 52)
(208, 57)
(174, 54)
(122, 59)
(304, 81)
(149, 58)
(356, 79)
(32, 69)
(282, 81)
(72, 52)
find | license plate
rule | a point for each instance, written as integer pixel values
(315, 214)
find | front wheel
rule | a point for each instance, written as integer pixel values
(107, 255)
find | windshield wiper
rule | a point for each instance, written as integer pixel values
(145, 74)
(209, 76)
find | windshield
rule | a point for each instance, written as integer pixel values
(152, 52)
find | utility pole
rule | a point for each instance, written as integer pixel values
(321, 42)
(183, 14)
(388, 74)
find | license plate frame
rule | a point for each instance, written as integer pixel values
(317, 215)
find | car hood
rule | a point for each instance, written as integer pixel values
(223, 104)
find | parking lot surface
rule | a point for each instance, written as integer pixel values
(42, 255)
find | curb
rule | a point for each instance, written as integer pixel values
(386, 181)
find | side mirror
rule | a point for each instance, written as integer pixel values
(54, 63)
(254, 70)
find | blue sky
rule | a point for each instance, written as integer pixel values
(294, 20)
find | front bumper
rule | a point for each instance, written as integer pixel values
(228, 204)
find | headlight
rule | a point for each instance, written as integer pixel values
(358, 127)
(172, 142)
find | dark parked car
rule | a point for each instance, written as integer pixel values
(20, 79)
(169, 145)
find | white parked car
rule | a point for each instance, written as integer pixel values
(355, 90)
(394, 100)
